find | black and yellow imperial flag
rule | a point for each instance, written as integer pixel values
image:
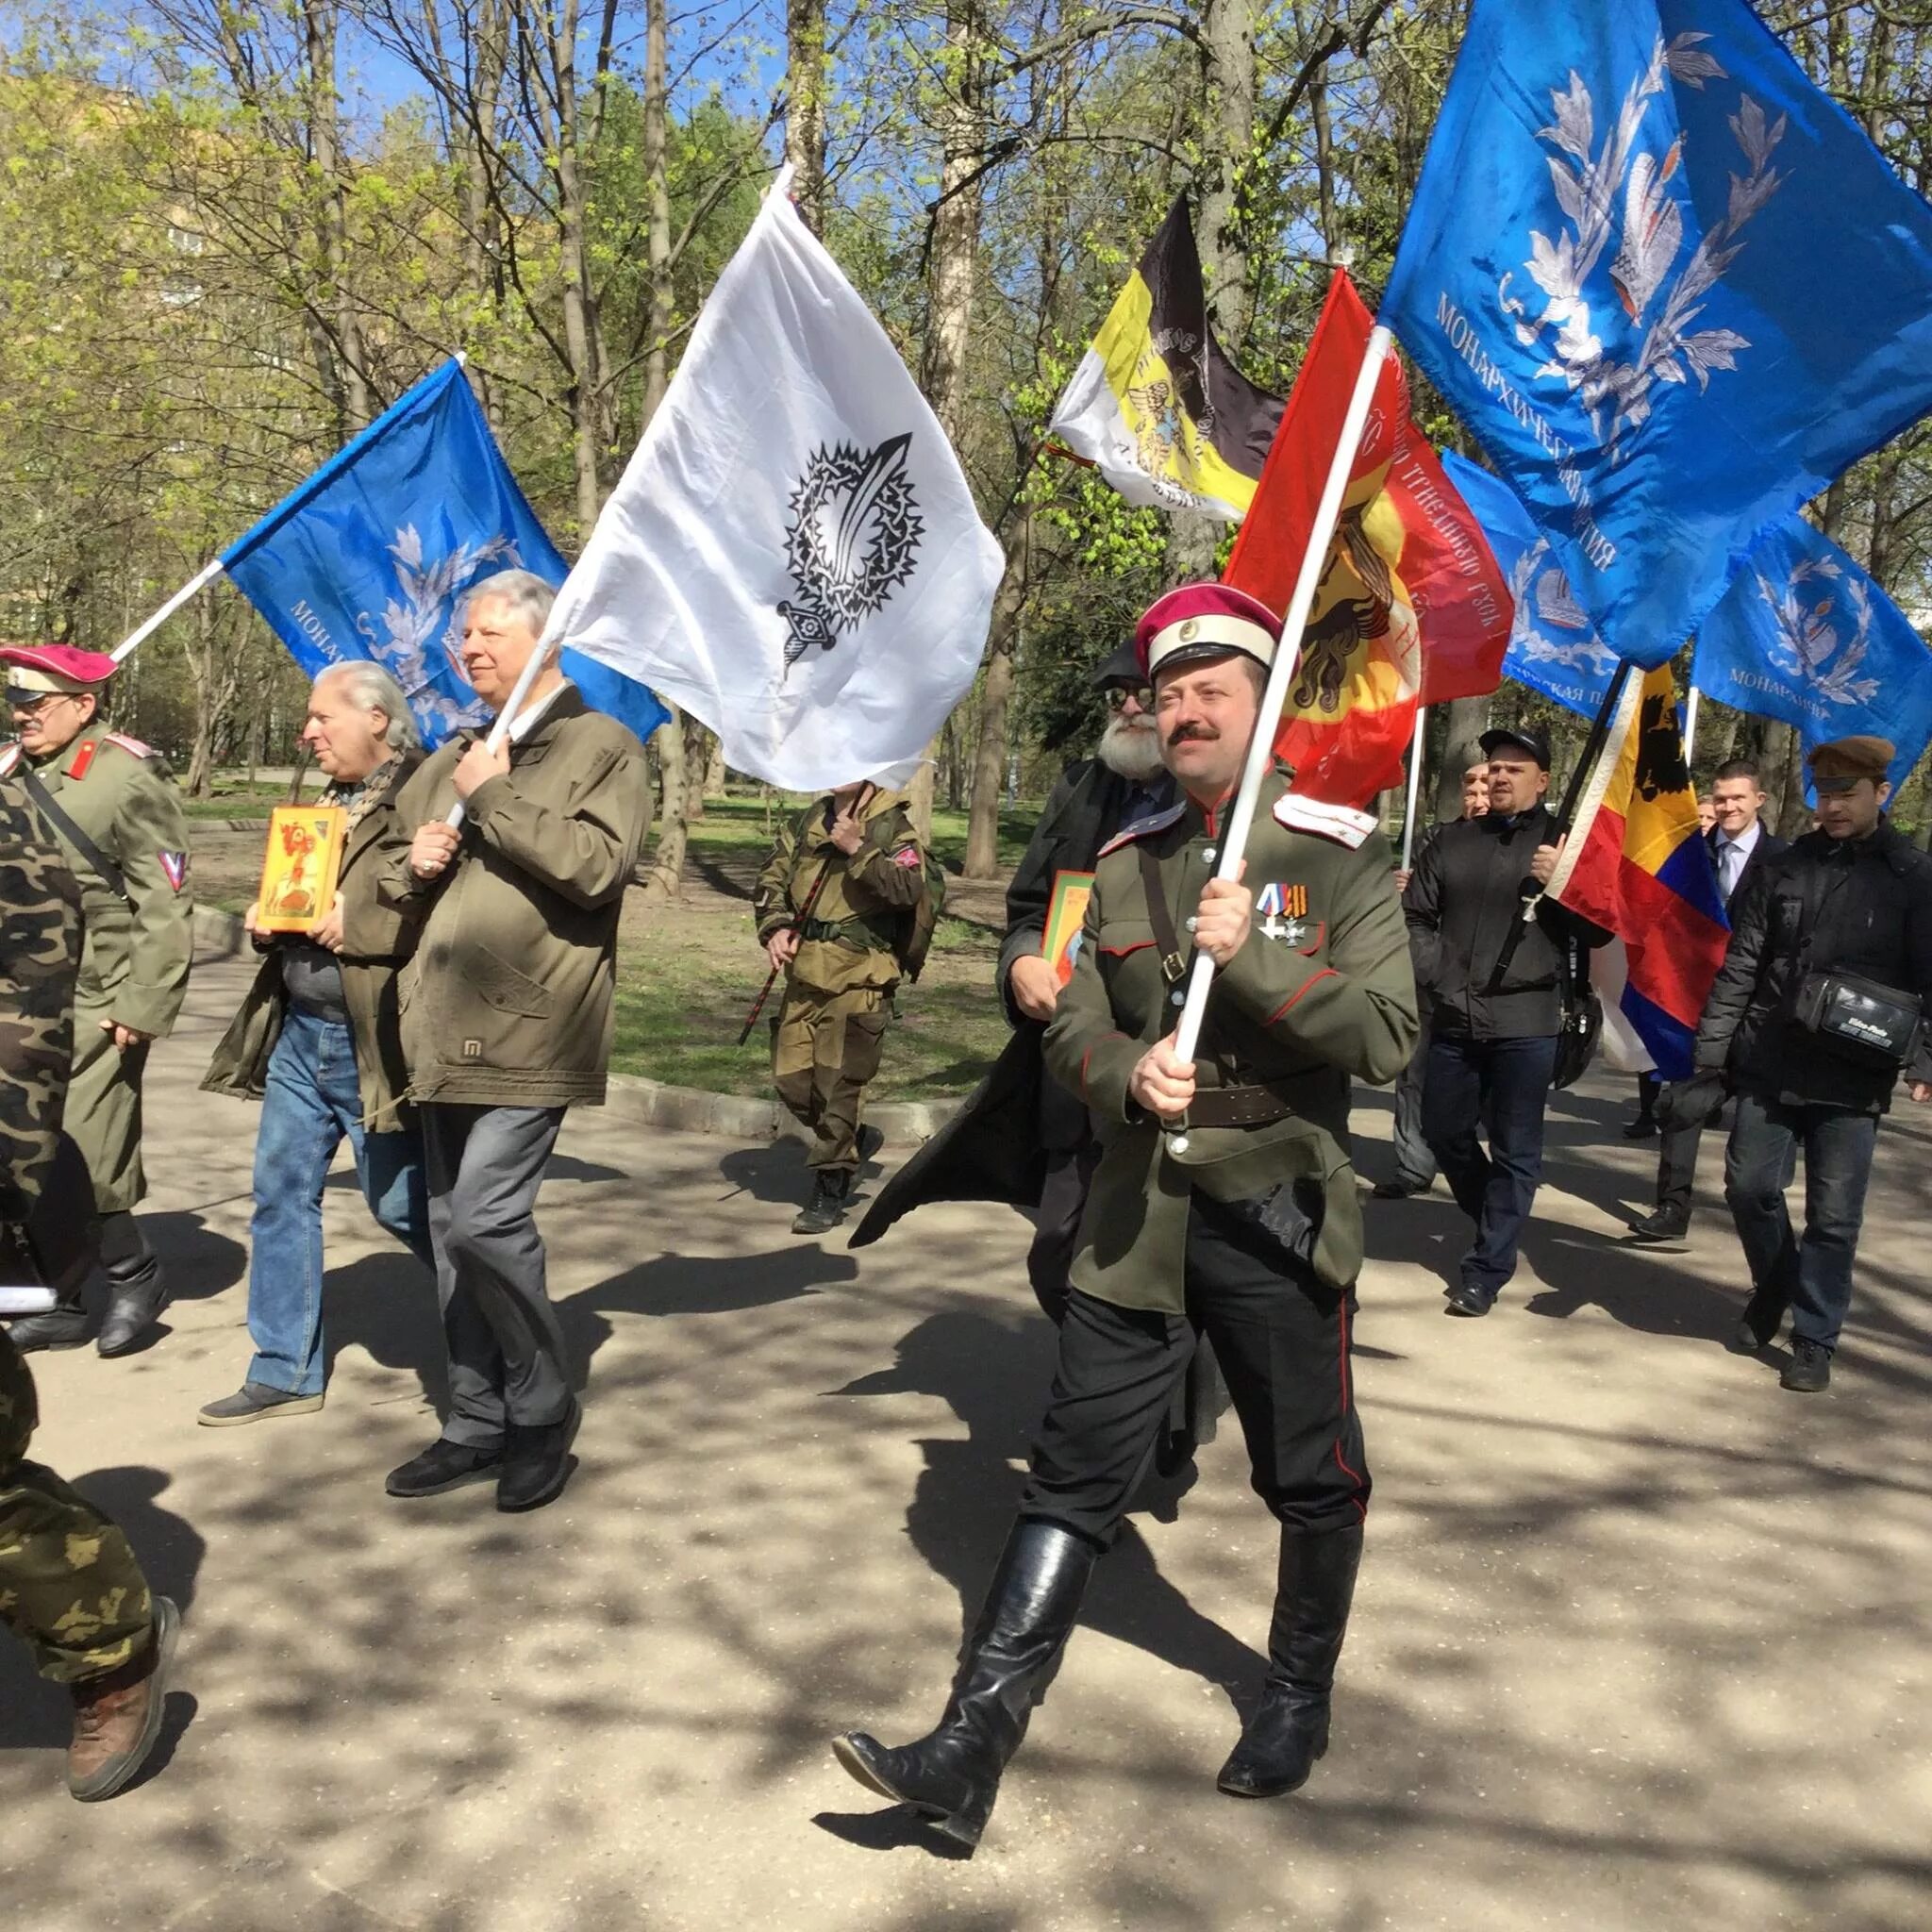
(1156, 405)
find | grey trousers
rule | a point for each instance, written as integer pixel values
(506, 1346)
(1415, 1163)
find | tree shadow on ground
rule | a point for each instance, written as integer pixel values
(36, 1715)
(995, 1377)
(200, 1263)
(775, 1172)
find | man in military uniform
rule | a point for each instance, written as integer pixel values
(845, 906)
(69, 1583)
(109, 801)
(1247, 1226)
(1841, 918)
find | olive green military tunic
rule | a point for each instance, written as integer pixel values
(1321, 990)
(134, 967)
(830, 1031)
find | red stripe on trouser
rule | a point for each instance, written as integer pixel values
(1341, 1462)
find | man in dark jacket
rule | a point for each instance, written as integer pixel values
(1494, 983)
(1095, 799)
(1853, 897)
(1739, 844)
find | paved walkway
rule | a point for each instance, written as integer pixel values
(1641, 1641)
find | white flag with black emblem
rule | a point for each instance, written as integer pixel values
(792, 555)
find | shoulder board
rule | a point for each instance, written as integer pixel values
(128, 743)
(1140, 828)
(1341, 823)
(83, 756)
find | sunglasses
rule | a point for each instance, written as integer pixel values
(33, 701)
(1118, 694)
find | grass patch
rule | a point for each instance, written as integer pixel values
(737, 826)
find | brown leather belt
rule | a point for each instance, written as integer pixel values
(1238, 1107)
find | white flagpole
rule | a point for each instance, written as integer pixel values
(1689, 725)
(533, 669)
(1415, 787)
(1287, 657)
(199, 581)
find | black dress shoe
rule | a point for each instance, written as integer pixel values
(1397, 1189)
(1757, 1326)
(1644, 1128)
(1660, 1231)
(537, 1461)
(1466, 1298)
(444, 1465)
(61, 1328)
(1808, 1370)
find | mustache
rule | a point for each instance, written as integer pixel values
(1189, 732)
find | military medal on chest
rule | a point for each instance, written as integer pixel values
(1282, 913)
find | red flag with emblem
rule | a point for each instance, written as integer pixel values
(1412, 609)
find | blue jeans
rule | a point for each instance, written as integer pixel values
(1501, 1084)
(1811, 1274)
(310, 1103)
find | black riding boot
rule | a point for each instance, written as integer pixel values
(953, 1775)
(137, 1289)
(1290, 1731)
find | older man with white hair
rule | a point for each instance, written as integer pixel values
(507, 1012)
(317, 1043)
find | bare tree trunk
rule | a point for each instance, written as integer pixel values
(1324, 161)
(990, 764)
(715, 771)
(954, 265)
(805, 108)
(1469, 718)
(666, 873)
(318, 46)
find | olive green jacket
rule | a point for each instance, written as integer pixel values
(866, 895)
(134, 964)
(377, 938)
(508, 1000)
(1321, 990)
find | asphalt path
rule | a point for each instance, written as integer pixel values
(1641, 1641)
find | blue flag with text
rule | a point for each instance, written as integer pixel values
(1554, 647)
(371, 557)
(1670, 286)
(1805, 635)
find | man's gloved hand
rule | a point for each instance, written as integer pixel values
(1693, 1103)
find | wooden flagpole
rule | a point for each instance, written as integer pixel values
(1281, 674)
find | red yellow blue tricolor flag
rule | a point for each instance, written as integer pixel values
(1637, 864)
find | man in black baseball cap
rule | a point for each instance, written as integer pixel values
(1495, 984)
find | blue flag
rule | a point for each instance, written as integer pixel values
(371, 557)
(1670, 286)
(1804, 635)
(1554, 647)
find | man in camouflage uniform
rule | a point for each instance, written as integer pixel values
(843, 953)
(69, 1583)
(1224, 1199)
(111, 802)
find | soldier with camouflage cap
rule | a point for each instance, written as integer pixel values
(877, 900)
(109, 801)
(69, 1583)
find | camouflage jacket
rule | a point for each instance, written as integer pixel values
(39, 955)
(866, 915)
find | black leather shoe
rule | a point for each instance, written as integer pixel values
(537, 1462)
(1808, 1370)
(1397, 1191)
(1662, 1232)
(952, 1776)
(870, 1140)
(1466, 1298)
(445, 1465)
(61, 1328)
(1642, 1128)
(1757, 1326)
(831, 1191)
(132, 1309)
(1289, 1730)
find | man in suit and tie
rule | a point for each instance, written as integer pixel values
(1738, 843)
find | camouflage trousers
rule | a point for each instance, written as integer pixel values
(69, 1583)
(824, 1051)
